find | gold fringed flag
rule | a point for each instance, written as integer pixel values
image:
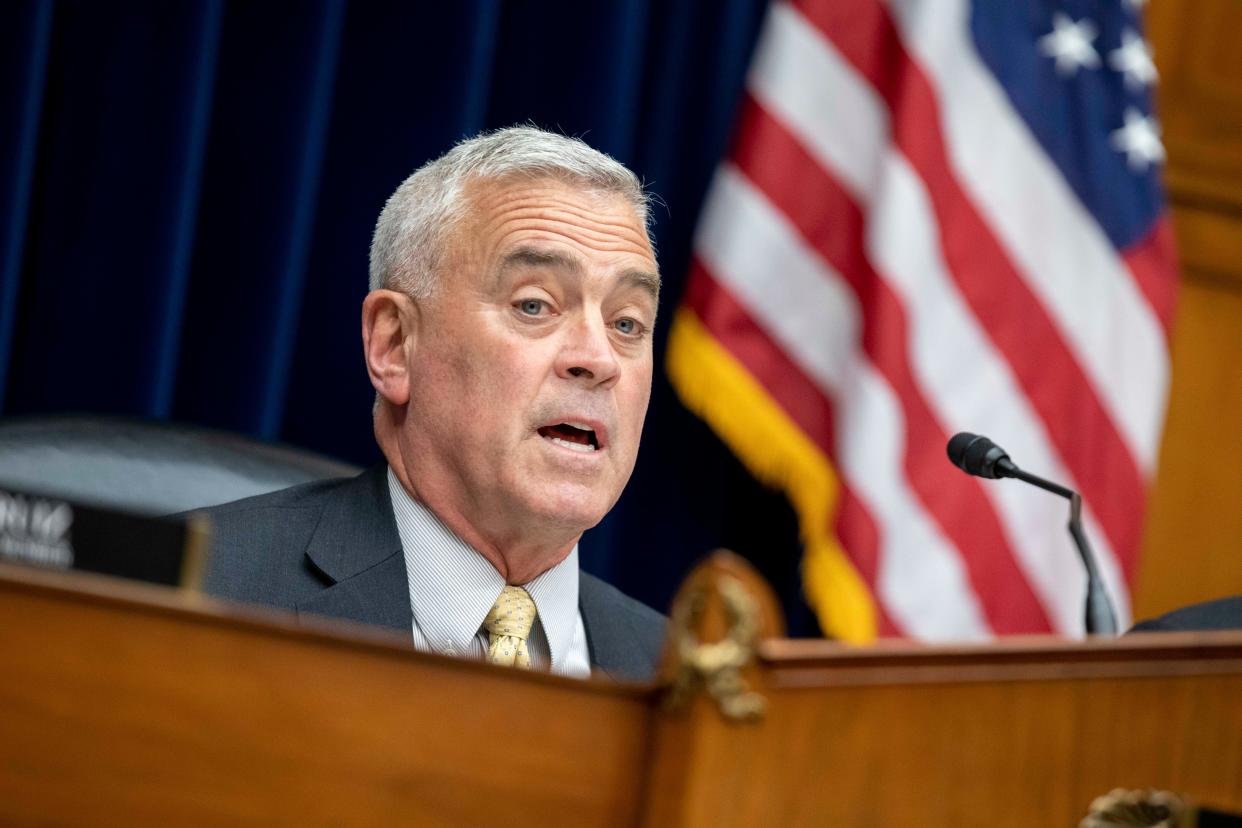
(939, 217)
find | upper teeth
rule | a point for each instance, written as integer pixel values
(579, 426)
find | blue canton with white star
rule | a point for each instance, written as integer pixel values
(1079, 74)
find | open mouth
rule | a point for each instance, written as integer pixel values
(573, 436)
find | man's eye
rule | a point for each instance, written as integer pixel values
(627, 326)
(531, 307)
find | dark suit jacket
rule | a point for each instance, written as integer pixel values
(331, 548)
(1222, 614)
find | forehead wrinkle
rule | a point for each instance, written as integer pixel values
(601, 233)
(593, 225)
(506, 204)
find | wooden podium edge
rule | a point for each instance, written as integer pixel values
(807, 663)
(195, 607)
(705, 763)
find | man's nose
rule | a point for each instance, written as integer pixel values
(587, 354)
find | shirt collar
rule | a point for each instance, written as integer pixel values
(555, 593)
(452, 587)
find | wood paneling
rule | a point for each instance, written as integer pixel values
(1024, 734)
(121, 706)
(1193, 541)
(1193, 548)
(127, 706)
(1200, 97)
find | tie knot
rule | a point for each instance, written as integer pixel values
(512, 614)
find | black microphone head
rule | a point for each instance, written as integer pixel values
(958, 444)
(978, 455)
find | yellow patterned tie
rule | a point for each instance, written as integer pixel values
(508, 625)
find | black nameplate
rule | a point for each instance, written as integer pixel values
(1209, 818)
(55, 533)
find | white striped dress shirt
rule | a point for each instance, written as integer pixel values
(452, 588)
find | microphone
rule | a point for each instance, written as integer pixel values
(979, 456)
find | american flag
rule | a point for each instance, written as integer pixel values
(940, 216)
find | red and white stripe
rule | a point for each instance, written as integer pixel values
(868, 255)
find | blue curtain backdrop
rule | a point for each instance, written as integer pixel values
(187, 192)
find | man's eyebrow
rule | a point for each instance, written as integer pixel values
(649, 282)
(534, 257)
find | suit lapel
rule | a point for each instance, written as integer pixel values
(612, 652)
(356, 546)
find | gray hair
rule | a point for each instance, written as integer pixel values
(414, 227)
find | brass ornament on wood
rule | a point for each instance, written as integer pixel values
(1149, 808)
(717, 666)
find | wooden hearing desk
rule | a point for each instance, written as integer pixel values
(131, 705)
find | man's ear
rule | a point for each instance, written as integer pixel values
(390, 321)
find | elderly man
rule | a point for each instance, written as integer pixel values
(508, 334)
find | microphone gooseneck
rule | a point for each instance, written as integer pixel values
(979, 456)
